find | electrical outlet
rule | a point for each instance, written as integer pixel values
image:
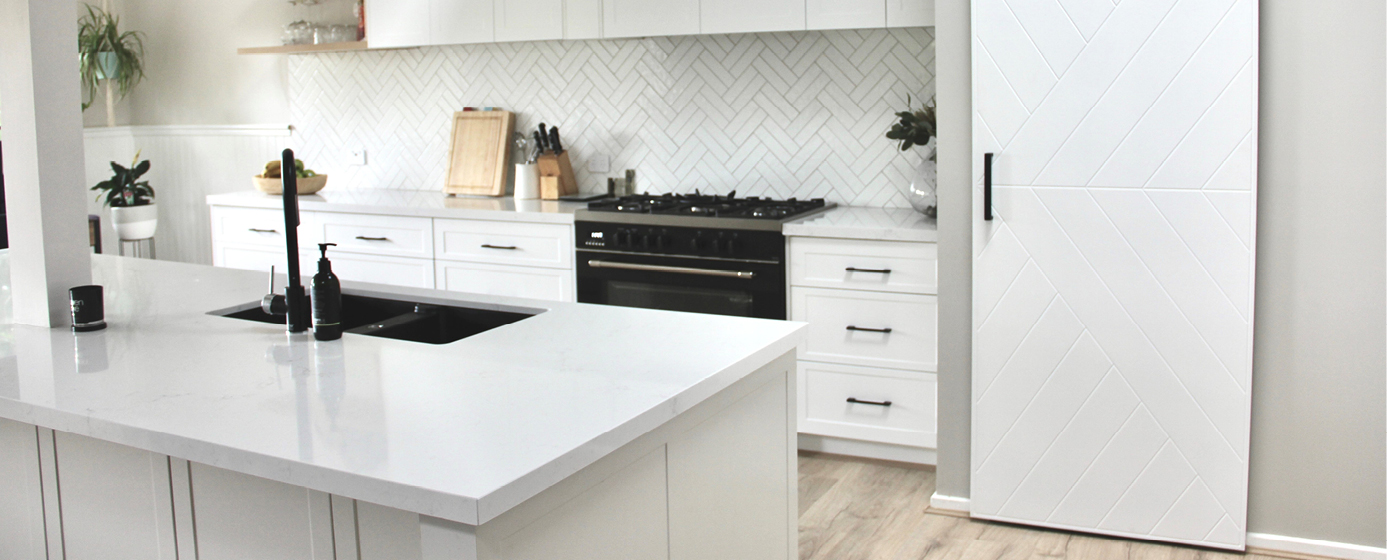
(599, 164)
(357, 157)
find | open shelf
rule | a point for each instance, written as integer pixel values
(301, 49)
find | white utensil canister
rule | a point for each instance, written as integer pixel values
(526, 181)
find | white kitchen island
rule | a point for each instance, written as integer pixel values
(581, 432)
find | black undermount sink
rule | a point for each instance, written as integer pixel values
(401, 320)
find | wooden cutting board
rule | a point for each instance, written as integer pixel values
(480, 154)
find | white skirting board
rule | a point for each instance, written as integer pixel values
(867, 449)
(951, 503)
(1311, 546)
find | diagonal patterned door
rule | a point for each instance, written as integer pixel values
(1113, 288)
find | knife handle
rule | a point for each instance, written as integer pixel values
(539, 143)
(554, 143)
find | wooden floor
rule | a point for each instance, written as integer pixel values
(852, 509)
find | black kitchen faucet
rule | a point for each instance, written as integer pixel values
(294, 302)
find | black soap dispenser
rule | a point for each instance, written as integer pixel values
(327, 299)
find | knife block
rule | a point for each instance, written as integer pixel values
(556, 176)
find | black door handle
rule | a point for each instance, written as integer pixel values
(886, 330)
(506, 247)
(871, 270)
(854, 400)
(364, 238)
(987, 186)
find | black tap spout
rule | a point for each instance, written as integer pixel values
(296, 298)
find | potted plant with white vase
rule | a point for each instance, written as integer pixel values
(133, 212)
(915, 127)
(108, 55)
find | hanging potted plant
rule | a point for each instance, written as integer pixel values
(110, 56)
(916, 128)
(131, 200)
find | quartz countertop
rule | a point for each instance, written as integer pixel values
(861, 222)
(463, 431)
(428, 204)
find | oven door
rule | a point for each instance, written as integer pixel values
(718, 286)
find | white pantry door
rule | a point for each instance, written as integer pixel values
(1113, 287)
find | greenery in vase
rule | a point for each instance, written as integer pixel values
(98, 33)
(915, 127)
(124, 187)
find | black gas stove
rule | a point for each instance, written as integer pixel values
(691, 252)
(702, 210)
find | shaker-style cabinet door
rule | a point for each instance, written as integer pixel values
(845, 14)
(582, 19)
(649, 18)
(909, 13)
(455, 22)
(397, 23)
(529, 20)
(752, 16)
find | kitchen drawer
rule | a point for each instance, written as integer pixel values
(400, 236)
(378, 269)
(825, 408)
(261, 259)
(510, 243)
(501, 280)
(838, 319)
(864, 265)
(258, 227)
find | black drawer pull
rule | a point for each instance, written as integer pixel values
(987, 186)
(871, 270)
(855, 400)
(256, 230)
(364, 238)
(886, 330)
(505, 247)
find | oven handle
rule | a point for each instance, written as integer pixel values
(743, 274)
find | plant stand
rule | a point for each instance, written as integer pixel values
(139, 248)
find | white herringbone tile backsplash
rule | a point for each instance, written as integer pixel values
(799, 114)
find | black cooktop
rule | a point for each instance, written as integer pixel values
(709, 206)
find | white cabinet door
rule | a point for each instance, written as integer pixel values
(397, 23)
(240, 516)
(1113, 289)
(511, 281)
(380, 269)
(582, 19)
(845, 14)
(751, 16)
(115, 499)
(453, 22)
(909, 13)
(649, 18)
(529, 20)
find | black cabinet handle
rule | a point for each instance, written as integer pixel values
(854, 400)
(264, 230)
(987, 186)
(506, 247)
(886, 330)
(364, 238)
(871, 270)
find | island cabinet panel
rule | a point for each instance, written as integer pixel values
(21, 493)
(386, 533)
(240, 516)
(116, 501)
(649, 18)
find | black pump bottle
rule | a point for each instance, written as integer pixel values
(327, 299)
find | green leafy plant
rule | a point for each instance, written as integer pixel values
(915, 127)
(124, 187)
(108, 54)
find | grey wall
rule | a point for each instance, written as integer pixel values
(954, 91)
(1317, 398)
(1318, 461)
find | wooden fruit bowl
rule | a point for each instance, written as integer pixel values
(274, 185)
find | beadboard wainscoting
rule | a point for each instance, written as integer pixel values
(187, 163)
(798, 114)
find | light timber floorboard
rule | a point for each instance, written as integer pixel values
(859, 509)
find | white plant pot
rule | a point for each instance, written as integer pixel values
(135, 222)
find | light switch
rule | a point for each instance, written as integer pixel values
(357, 157)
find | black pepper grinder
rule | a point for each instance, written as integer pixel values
(327, 299)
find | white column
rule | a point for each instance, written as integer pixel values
(44, 165)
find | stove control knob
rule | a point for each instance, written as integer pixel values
(643, 241)
(730, 245)
(697, 243)
(663, 241)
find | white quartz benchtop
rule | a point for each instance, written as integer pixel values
(428, 204)
(861, 222)
(463, 431)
